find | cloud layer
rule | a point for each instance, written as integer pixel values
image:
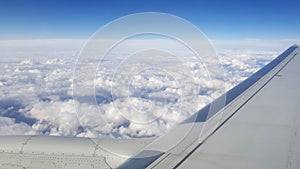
(36, 94)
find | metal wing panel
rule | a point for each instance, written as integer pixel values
(66, 152)
(264, 133)
(208, 120)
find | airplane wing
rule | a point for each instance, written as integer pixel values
(264, 128)
(254, 125)
(54, 152)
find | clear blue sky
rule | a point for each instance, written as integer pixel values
(222, 19)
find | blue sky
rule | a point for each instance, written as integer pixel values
(34, 19)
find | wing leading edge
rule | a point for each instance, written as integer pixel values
(264, 132)
(256, 127)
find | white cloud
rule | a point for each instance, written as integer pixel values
(37, 88)
(8, 126)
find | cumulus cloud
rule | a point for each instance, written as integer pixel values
(36, 92)
(8, 126)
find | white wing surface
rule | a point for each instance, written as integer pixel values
(256, 127)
